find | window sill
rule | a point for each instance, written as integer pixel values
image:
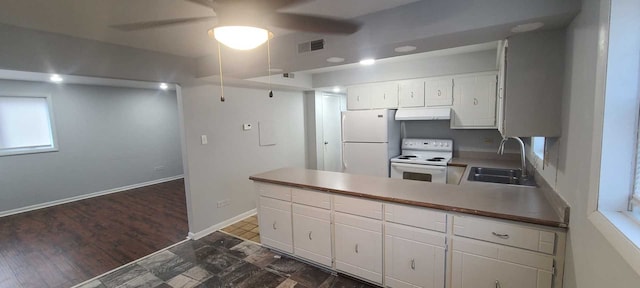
(622, 232)
(28, 151)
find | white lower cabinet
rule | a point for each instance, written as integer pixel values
(312, 233)
(275, 224)
(414, 257)
(485, 265)
(358, 246)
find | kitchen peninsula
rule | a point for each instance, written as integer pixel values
(401, 233)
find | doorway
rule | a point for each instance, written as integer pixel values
(332, 106)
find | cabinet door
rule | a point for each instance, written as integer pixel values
(312, 233)
(414, 257)
(359, 98)
(502, 73)
(474, 101)
(275, 224)
(358, 246)
(439, 92)
(411, 93)
(384, 96)
(479, 265)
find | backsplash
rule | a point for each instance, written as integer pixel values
(467, 140)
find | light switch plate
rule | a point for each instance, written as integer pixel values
(203, 139)
(246, 126)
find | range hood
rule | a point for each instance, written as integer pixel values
(441, 113)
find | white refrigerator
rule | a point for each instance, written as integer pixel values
(369, 139)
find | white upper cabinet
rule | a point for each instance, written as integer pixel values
(439, 91)
(474, 103)
(359, 97)
(411, 93)
(532, 86)
(384, 95)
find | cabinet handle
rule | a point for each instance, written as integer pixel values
(384, 96)
(310, 235)
(503, 236)
(274, 226)
(475, 101)
(411, 94)
(358, 98)
(413, 264)
(439, 92)
(356, 248)
(498, 284)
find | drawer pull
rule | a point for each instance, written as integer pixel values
(503, 236)
(356, 248)
(274, 226)
(498, 284)
(413, 264)
(310, 235)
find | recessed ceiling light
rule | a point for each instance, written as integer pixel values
(405, 49)
(527, 27)
(336, 89)
(164, 86)
(335, 60)
(55, 78)
(369, 61)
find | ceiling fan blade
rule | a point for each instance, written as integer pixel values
(160, 23)
(261, 5)
(205, 3)
(308, 23)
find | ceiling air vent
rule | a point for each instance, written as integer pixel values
(311, 46)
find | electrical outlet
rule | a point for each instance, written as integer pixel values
(224, 202)
(158, 168)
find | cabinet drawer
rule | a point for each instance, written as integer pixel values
(311, 198)
(274, 191)
(505, 233)
(358, 206)
(417, 217)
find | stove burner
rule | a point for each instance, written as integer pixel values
(436, 159)
(407, 157)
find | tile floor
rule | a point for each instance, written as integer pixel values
(246, 229)
(220, 260)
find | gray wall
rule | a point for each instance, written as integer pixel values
(479, 61)
(35, 51)
(467, 140)
(591, 260)
(220, 170)
(108, 138)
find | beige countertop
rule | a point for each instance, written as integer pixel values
(524, 204)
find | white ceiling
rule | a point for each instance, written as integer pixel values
(90, 19)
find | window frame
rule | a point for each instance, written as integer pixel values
(618, 228)
(54, 135)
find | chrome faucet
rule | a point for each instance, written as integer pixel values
(522, 153)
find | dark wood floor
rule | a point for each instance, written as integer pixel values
(64, 245)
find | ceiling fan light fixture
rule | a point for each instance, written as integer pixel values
(240, 37)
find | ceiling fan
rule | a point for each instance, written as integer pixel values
(253, 17)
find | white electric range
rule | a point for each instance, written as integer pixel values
(423, 160)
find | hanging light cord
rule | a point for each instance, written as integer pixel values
(269, 64)
(221, 81)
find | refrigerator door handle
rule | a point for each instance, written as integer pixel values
(342, 125)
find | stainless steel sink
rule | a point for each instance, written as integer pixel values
(499, 175)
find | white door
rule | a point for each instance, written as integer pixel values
(359, 250)
(332, 141)
(438, 92)
(475, 101)
(384, 96)
(275, 224)
(366, 159)
(365, 126)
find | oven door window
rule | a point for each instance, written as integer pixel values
(416, 176)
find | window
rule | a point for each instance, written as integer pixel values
(26, 125)
(537, 143)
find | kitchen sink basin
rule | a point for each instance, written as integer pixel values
(500, 176)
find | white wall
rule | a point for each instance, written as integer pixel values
(221, 169)
(108, 137)
(591, 260)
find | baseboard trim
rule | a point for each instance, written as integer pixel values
(225, 223)
(87, 196)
